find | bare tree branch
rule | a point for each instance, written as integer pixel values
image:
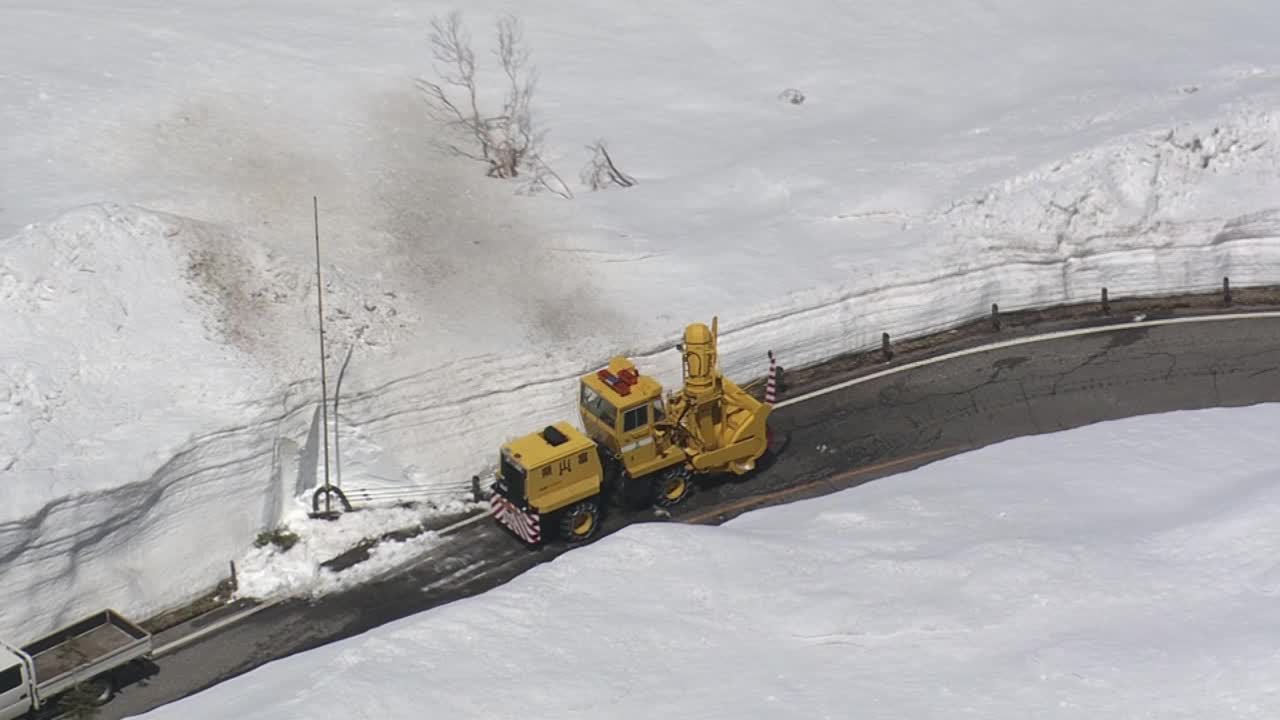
(600, 171)
(508, 142)
(545, 178)
(615, 174)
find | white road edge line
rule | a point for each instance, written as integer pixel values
(1023, 341)
(452, 576)
(202, 632)
(463, 523)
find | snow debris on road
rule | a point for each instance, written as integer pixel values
(267, 571)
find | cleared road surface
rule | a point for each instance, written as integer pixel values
(837, 440)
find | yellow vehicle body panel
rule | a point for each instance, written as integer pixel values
(533, 450)
(639, 467)
(646, 387)
(557, 475)
(554, 496)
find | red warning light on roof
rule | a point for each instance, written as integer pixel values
(619, 385)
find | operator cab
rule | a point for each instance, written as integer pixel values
(619, 408)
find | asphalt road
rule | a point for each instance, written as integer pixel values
(835, 441)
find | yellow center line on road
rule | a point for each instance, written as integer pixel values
(770, 498)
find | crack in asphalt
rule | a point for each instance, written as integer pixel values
(1087, 362)
(1026, 401)
(1173, 361)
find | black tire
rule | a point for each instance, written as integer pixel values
(104, 688)
(620, 490)
(611, 483)
(580, 522)
(673, 486)
(636, 493)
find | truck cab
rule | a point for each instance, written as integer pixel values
(16, 689)
(623, 411)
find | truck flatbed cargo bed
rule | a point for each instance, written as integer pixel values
(98, 642)
(95, 644)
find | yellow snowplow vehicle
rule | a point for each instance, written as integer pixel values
(637, 448)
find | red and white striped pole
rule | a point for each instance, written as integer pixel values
(771, 385)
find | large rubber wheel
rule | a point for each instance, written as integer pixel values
(636, 493)
(622, 491)
(104, 688)
(673, 486)
(580, 522)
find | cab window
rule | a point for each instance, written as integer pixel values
(635, 418)
(10, 678)
(598, 407)
(658, 414)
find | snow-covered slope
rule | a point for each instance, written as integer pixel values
(1133, 576)
(1010, 152)
(126, 428)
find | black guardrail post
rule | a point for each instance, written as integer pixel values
(885, 349)
(1226, 291)
(1106, 304)
(995, 317)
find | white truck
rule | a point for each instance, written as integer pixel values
(93, 651)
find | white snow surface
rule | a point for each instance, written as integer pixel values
(1135, 575)
(268, 571)
(159, 376)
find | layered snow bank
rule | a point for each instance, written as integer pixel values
(1001, 152)
(1135, 574)
(135, 453)
(108, 353)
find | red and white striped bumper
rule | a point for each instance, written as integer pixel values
(525, 525)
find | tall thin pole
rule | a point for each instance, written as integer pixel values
(324, 387)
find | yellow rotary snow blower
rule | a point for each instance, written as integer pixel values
(636, 448)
